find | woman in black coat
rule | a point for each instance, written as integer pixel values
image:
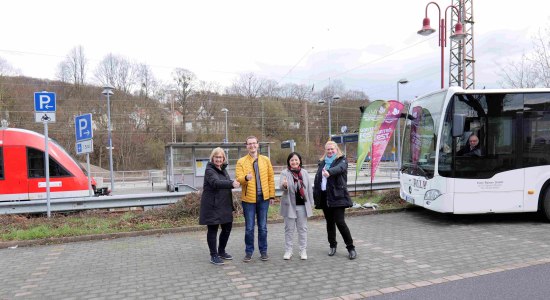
(330, 194)
(217, 205)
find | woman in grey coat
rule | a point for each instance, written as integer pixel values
(296, 203)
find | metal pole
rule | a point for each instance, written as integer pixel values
(442, 41)
(110, 142)
(329, 122)
(172, 117)
(398, 135)
(226, 134)
(89, 174)
(47, 168)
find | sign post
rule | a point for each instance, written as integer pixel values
(44, 107)
(84, 141)
(288, 144)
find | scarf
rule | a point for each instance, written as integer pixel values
(328, 161)
(297, 176)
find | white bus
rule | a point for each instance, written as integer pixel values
(509, 171)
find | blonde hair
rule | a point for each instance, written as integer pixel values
(217, 151)
(338, 151)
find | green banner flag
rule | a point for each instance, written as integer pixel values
(373, 115)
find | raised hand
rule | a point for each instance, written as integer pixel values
(285, 183)
(325, 173)
(249, 176)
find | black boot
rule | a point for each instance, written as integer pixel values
(352, 254)
(332, 251)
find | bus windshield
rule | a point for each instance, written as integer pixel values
(420, 135)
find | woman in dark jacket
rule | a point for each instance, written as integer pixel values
(330, 193)
(217, 205)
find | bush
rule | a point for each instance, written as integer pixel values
(189, 207)
(391, 197)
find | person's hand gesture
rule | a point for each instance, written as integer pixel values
(249, 176)
(236, 184)
(325, 173)
(285, 183)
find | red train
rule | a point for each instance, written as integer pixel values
(22, 172)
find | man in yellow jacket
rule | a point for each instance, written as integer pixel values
(255, 174)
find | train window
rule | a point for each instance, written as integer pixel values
(35, 163)
(1, 163)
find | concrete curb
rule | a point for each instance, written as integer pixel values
(108, 236)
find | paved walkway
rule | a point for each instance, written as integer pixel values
(397, 251)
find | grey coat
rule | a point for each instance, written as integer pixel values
(288, 199)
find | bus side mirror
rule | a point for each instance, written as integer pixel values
(458, 125)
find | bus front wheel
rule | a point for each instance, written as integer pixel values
(546, 204)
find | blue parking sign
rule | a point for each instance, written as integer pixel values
(44, 102)
(83, 127)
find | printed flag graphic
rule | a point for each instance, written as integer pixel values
(384, 133)
(371, 118)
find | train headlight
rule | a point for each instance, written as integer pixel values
(432, 195)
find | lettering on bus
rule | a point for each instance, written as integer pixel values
(490, 184)
(421, 184)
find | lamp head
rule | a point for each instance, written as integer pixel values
(426, 28)
(225, 110)
(108, 90)
(403, 81)
(459, 33)
(321, 101)
(335, 97)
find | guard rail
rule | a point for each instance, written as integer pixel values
(137, 200)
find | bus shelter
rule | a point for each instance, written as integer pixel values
(186, 162)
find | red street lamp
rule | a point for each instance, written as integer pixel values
(427, 30)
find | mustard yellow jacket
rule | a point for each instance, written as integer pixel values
(244, 166)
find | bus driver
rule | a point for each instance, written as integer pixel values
(472, 148)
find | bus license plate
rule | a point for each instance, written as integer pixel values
(409, 199)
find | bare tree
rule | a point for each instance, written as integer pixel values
(541, 56)
(520, 74)
(205, 96)
(533, 69)
(185, 87)
(73, 68)
(146, 80)
(248, 86)
(116, 71)
(270, 88)
(6, 69)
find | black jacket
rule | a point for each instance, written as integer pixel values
(217, 200)
(337, 185)
(467, 151)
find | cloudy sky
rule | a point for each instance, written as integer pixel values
(368, 45)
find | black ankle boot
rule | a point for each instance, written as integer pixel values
(352, 254)
(332, 251)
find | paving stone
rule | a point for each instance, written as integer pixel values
(395, 251)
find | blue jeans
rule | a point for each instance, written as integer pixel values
(258, 210)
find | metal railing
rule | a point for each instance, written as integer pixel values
(137, 200)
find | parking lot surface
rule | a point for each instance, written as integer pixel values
(396, 251)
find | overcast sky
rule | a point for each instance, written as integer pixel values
(368, 45)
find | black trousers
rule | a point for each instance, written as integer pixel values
(335, 217)
(224, 237)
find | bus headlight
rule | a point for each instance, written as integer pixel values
(432, 195)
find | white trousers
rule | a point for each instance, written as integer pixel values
(299, 224)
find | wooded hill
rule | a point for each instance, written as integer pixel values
(142, 123)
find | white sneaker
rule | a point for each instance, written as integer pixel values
(303, 254)
(288, 255)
